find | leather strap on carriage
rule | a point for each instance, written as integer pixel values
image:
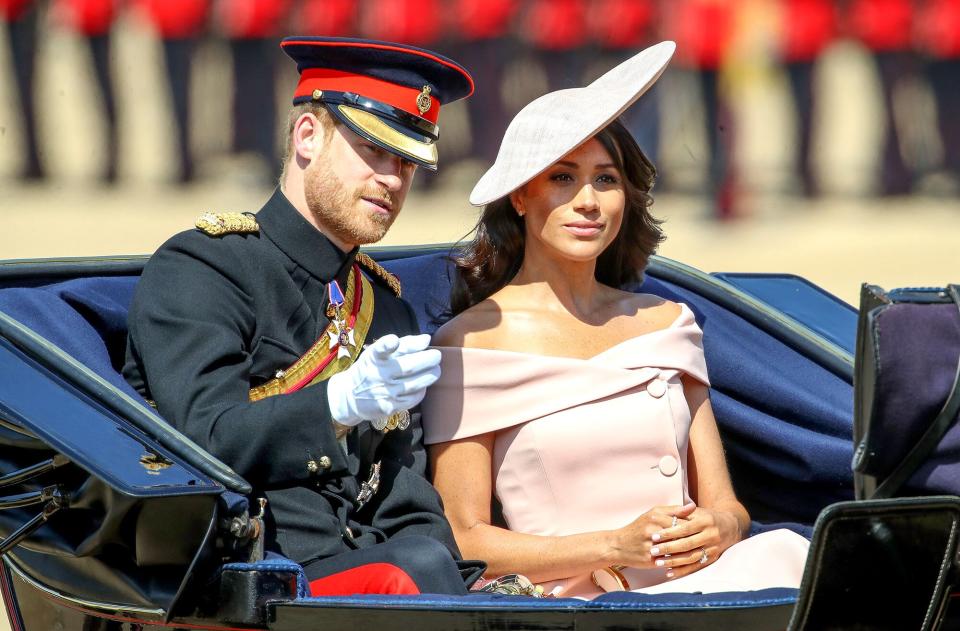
(324, 360)
(934, 434)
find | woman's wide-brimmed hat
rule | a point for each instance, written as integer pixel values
(557, 123)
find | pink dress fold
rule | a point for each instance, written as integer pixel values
(591, 444)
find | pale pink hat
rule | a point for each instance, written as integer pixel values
(558, 122)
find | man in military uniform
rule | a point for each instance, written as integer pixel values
(271, 342)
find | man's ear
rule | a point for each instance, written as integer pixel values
(308, 137)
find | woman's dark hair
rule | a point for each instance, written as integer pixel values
(495, 254)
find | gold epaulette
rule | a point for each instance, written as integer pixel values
(392, 281)
(219, 224)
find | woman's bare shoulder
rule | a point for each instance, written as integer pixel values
(656, 311)
(472, 327)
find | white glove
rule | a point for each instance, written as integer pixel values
(390, 375)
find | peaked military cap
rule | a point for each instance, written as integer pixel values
(388, 93)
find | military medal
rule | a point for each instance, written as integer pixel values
(341, 334)
(400, 420)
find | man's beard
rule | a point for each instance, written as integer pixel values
(335, 208)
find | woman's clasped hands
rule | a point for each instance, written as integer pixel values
(679, 539)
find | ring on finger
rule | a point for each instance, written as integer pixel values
(673, 524)
(704, 557)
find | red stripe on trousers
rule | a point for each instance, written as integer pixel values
(372, 578)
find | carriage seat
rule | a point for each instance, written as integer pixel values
(86, 317)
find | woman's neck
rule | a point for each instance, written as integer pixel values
(568, 284)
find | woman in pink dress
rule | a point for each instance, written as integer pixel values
(583, 410)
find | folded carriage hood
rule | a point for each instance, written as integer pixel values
(139, 515)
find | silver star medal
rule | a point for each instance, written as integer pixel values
(341, 334)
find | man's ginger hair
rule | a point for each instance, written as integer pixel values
(319, 110)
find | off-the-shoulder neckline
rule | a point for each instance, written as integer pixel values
(684, 310)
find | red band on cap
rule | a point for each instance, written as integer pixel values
(398, 96)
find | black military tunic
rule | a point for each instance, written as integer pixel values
(213, 317)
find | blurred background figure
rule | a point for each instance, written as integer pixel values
(938, 34)
(885, 27)
(704, 31)
(480, 38)
(620, 29)
(179, 24)
(254, 29)
(807, 27)
(93, 20)
(21, 18)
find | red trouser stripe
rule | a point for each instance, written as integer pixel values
(372, 578)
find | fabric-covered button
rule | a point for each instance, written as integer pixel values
(656, 388)
(668, 465)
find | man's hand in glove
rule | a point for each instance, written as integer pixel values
(390, 375)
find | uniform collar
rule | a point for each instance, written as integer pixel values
(303, 243)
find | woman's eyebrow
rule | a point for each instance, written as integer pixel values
(573, 165)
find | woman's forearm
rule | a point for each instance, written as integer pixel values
(539, 558)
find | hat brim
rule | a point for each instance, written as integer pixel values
(557, 123)
(377, 131)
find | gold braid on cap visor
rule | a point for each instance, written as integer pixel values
(389, 136)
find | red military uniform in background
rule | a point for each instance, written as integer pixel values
(557, 31)
(556, 24)
(253, 19)
(89, 17)
(415, 22)
(807, 28)
(12, 10)
(882, 25)
(938, 35)
(703, 30)
(938, 28)
(886, 28)
(175, 19)
(622, 24)
(330, 18)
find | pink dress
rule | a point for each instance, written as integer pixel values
(591, 444)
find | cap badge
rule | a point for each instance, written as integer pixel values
(423, 100)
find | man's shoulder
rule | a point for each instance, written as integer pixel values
(379, 274)
(214, 236)
(194, 258)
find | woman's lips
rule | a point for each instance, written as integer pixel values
(583, 228)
